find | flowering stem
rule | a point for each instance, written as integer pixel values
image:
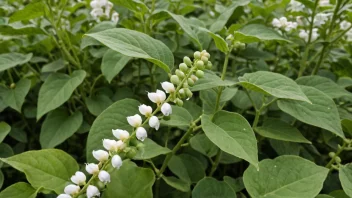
(340, 149)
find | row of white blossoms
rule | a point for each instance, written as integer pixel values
(103, 9)
(183, 79)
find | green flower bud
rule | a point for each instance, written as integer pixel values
(187, 60)
(205, 60)
(13, 85)
(183, 67)
(200, 74)
(230, 37)
(180, 74)
(131, 153)
(100, 185)
(338, 159)
(190, 82)
(179, 102)
(140, 145)
(200, 65)
(188, 93)
(175, 80)
(331, 154)
(185, 85)
(196, 55)
(182, 93)
(194, 78)
(205, 53)
(209, 65)
(242, 46)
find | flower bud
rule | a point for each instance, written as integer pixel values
(200, 65)
(200, 74)
(121, 134)
(110, 145)
(135, 120)
(185, 85)
(194, 78)
(230, 37)
(242, 46)
(205, 53)
(145, 110)
(183, 67)
(338, 159)
(196, 55)
(190, 82)
(168, 87)
(179, 102)
(79, 178)
(13, 85)
(72, 189)
(205, 60)
(154, 122)
(92, 191)
(100, 155)
(157, 97)
(104, 176)
(188, 93)
(64, 196)
(175, 80)
(331, 154)
(187, 60)
(180, 74)
(116, 161)
(120, 145)
(131, 153)
(141, 133)
(209, 65)
(182, 93)
(92, 168)
(166, 109)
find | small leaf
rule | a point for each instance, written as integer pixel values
(219, 41)
(18, 134)
(103, 25)
(236, 184)
(19, 190)
(285, 177)
(133, 5)
(202, 144)
(210, 187)
(177, 183)
(4, 130)
(256, 33)
(113, 62)
(15, 97)
(285, 148)
(31, 11)
(179, 117)
(19, 29)
(53, 66)
(150, 150)
(345, 175)
(5, 151)
(97, 104)
(210, 80)
(183, 166)
(13, 59)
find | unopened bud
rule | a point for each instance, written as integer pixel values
(185, 85)
(183, 67)
(180, 74)
(187, 61)
(229, 37)
(188, 93)
(338, 159)
(131, 153)
(331, 154)
(175, 79)
(200, 74)
(196, 55)
(205, 60)
(200, 65)
(179, 102)
(190, 82)
(209, 65)
(13, 85)
(182, 93)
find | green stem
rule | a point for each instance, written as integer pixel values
(215, 163)
(338, 152)
(10, 76)
(95, 81)
(223, 75)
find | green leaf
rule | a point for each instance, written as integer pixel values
(130, 181)
(13, 59)
(114, 117)
(135, 44)
(285, 148)
(19, 29)
(324, 85)
(97, 104)
(53, 66)
(324, 196)
(224, 17)
(113, 62)
(31, 11)
(202, 144)
(236, 184)
(59, 126)
(219, 41)
(321, 113)
(18, 134)
(4, 130)
(339, 194)
(210, 188)
(232, 133)
(273, 84)
(1, 179)
(210, 80)
(345, 82)
(177, 183)
(345, 175)
(15, 97)
(88, 41)
(183, 167)
(256, 33)
(19, 190)
(179, 117)
(280, 130)
(150, 150)
(5, 151)
(57, 89)
(285, 176)
(48, 168)
(133, 5)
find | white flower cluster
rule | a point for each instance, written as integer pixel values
(283, 24)
(295, 6)
(305, 34)
(103, 8)
(344, 25)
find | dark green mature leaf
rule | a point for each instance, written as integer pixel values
(324, 196)
(1, 179)
(48, 168)
(136, 44)
(150, 150)
(130, 181)
(20, 29)
(210, 80)
(179, 117)
(133, 5)
(18, 134)
(19, 190)
(232, 133)
(113, 62)
(236, 184)
(114, 117)
(31, 11)
(14, 98)
(256, 33)
(345, 175)
(285, 176)
(183, 167)
(345, 82)
(321, 113)
(219, 41)
(179, 184)
(88, 41)
(339, 194)
(273, 84)
(285, 148)
(5, 151)
(210, 188)
(13, 59)
(97, 104)
(59, 126)
(4, 130)
(53, 66)
(57, 89)
(202, 144)
(280, 130)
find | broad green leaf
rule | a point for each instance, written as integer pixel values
(31, 11)
(285, 148)
(4, 130)
(339, 194)
(19, 29)
(224, 17)
(130, 181)
(1, 179)
(13, 59)
(324, 196)
(285, 176)
(19, 190)
(228, 93)
(133, 5)
(114, 117)
(345, 82)
(150, 150)
(232, 133)
(226, 158)
(48, 168)
(5, 151)
(53, 66)
(18, 134)
(273, 84)
(241, 100)
(324, 85)
(202, 144)
(236, 184)
(210, 80)
(321, 113)
(209, 97)
(345, 175)
(97, 104)
(256, 33)
(280, 130)
(210, 188)
(136, 44)
(218, 40)
(179, 117)
(15, 97)
(104, 25)
(59, 126)
(113, 62)
(57, 89)
(183, 167)
(177, 183)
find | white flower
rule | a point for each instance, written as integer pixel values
(295, 6)
(96, 13)
(320, 19)
(344, 25)
(168, 87)
(154, 122)
(166, 109)
(100, 155)
(135, 120)
(299, 20)
(110, 145)
(64, 196)
(303, 35)
(121, 134)
(141, 133)
(92, 191)
(79, 178)
(71, 189)
(120, 145)
(324, 2)
(349, 35)
(315, 34)
(92, 168)
(104, 176)
(291, 25)
(116, 161)
(145, 110)
(94, 4)
(157, 97)
(115, 17)
(108, 5)
(276, 23)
